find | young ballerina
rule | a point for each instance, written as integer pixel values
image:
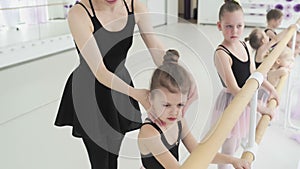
(234, 66)
(274, 18)
(281, 67)
(160, 135)
(259, 41)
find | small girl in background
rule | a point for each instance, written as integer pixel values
(160, 135)
(259, 41)
(282, 66)
(234, 66)
(274, 18)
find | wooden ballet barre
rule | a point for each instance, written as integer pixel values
(204, 153)
(264, 121)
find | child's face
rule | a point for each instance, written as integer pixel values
(232, 25)
(167, 106)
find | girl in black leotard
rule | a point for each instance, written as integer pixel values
(160, 136)
(234, 65)
(274, 18)
(259, 41)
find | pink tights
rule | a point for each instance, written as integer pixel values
(229, 147)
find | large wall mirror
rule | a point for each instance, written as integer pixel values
(25, 20)
(30, 29)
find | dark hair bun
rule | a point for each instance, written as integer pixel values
(171, 56)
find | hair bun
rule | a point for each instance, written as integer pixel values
(171, 56)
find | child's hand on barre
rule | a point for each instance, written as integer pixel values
(266, 111)
(274, 95)
(241, 164)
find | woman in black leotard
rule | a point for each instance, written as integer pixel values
(99, 100)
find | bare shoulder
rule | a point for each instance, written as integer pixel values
(221, 55)
(149, 139)
(79, 19)
(147, 130)
(78, 13)
(139, 7)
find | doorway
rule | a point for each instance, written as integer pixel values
(187, 10)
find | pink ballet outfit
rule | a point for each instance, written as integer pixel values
(241, 71)
(241, 128)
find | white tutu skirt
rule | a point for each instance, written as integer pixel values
(241, 128)
(263, 96)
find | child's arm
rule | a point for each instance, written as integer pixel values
(267, 85)
(271, 34)
(191, 143)
(223, 64)
(264, 110)
(227, 159)
(149, 141)
(263, 50)
(188, 139)
(275, 75)
(192, 96)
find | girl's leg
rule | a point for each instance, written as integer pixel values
(229, 147)
(113, 161)
(99, 158)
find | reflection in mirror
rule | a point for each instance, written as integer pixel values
(27, 20)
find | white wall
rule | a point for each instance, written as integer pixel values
(157, 8)
(172, 11)
(208, 11)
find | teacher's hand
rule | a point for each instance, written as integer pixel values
(192, 96)
(142, 96)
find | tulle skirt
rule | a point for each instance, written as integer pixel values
(241, 128)
(263, 96)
